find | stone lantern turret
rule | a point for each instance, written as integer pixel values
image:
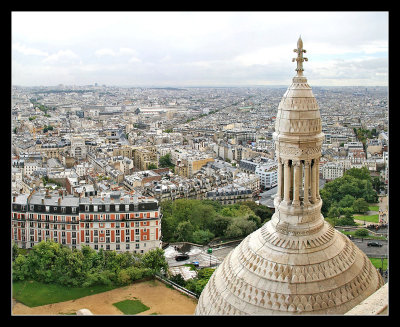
(296, 263)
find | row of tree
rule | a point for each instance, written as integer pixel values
(51, 262)
(348, 195)
(200, 221)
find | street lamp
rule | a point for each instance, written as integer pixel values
(209, 251)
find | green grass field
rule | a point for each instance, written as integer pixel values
(131, 307)
(33, 294)
(371, 218)
(377, 262)
(373, 208)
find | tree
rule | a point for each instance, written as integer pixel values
(347, 201)
(165, 161)
(377, 184)
(202, 236)
(361, 232)
(334, 212)
(151, 166)
(220, 224)
(155, 260)
(184, 231)
(360, 206)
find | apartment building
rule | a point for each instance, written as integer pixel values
(144, 157)
(118, 222)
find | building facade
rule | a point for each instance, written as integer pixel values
(121, 223)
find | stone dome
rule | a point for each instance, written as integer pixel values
(296, 263)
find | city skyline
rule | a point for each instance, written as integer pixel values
(195, 49)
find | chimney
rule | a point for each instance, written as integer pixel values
(59, 201)
(14, 198)
(42, 200)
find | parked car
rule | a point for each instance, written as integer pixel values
(181, 257)
(374, 244)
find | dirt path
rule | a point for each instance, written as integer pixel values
(156, 295)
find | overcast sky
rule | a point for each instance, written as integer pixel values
(198, 48)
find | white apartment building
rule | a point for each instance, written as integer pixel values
(268, 174)
(333, 170)
(30, 167)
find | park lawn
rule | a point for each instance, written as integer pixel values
(373, 208)
(377, 262)
(131, 307)
(33, 294)
(369, 218)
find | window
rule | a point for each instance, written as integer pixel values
(107, 240)
(86, 208)
(107, 232)
(96, 232)
(137, 245)
(96, 240)
(108, 247)
(137, 231)
(117, 232)
(127, 246)
(63, 209)
(47, 208)
(117, 240)
(73, 234)
(87, 240)
(55, 233)
(127, 239)
(74, 209)
(96, 247)
(117, 247)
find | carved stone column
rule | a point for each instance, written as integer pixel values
(286, 178)
(317, 179)
(313, 183)
(296, 182)
(307, 163)
(280, 180)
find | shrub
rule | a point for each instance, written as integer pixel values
(361, 232)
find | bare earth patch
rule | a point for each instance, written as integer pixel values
(157, 296)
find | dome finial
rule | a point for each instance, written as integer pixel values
(300, 57)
